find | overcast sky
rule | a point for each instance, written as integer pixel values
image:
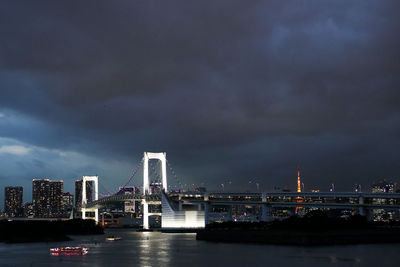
(233, 91)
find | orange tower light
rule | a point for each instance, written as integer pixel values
(299, 200)
(298, 180)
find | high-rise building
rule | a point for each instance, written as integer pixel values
(40, 197)
(28, 210)
(78, 193)
(67, 202)
(383, 186)
(55, 195)
(13, 196)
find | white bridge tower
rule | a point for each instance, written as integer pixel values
(95, 191)
(146, 183)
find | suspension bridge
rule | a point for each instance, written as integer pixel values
(189, 210)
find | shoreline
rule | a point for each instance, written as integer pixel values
(303, 238)
(46, 231)
(316, 228)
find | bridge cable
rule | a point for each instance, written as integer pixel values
(105, 188)
(157, 175)
(134, 172)
(174, 174)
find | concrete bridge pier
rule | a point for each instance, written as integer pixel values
(180, 205)
(145, 215)
(265, 213)
(96, 213)
(206, 213)
(229, 213)
(362, 210)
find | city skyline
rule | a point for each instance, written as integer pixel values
(231, 92)
(50, 201)
(252, 187)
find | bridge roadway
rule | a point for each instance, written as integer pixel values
(121, 198)
(337, 200)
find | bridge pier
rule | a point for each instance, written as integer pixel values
(206, 211)
(264, 197)
(265, 208)
(145, 215)
(96, 214)
(180, 205)
(362, 208)
(265, 213)
(95, 180)
(229, 213)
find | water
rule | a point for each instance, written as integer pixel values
(158, 249)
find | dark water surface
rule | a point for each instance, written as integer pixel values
(158, 249)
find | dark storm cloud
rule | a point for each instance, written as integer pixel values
(229, 89)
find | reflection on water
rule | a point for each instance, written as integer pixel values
(157, 249)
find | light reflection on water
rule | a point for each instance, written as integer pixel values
(157, 249)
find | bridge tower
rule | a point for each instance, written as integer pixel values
(146, 183)
(95, 180)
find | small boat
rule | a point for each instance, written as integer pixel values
(113, 238)
(69, 251)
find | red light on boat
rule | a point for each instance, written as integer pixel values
(68, 251)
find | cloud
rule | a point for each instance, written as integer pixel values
(2, 115)
(14, 150)
(227, 89)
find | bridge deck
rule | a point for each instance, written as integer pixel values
(273, 199)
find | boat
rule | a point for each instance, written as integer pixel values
(69, 251)
(113, 238)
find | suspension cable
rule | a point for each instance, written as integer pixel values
(105, 188)
(134, 171)
(154, 170)
(174, 174)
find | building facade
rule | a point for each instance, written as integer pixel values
(28, 210)
(46, 198)
(13, 196)
(67, 203)
(40, 198)
(383, 186)
(55, 196)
